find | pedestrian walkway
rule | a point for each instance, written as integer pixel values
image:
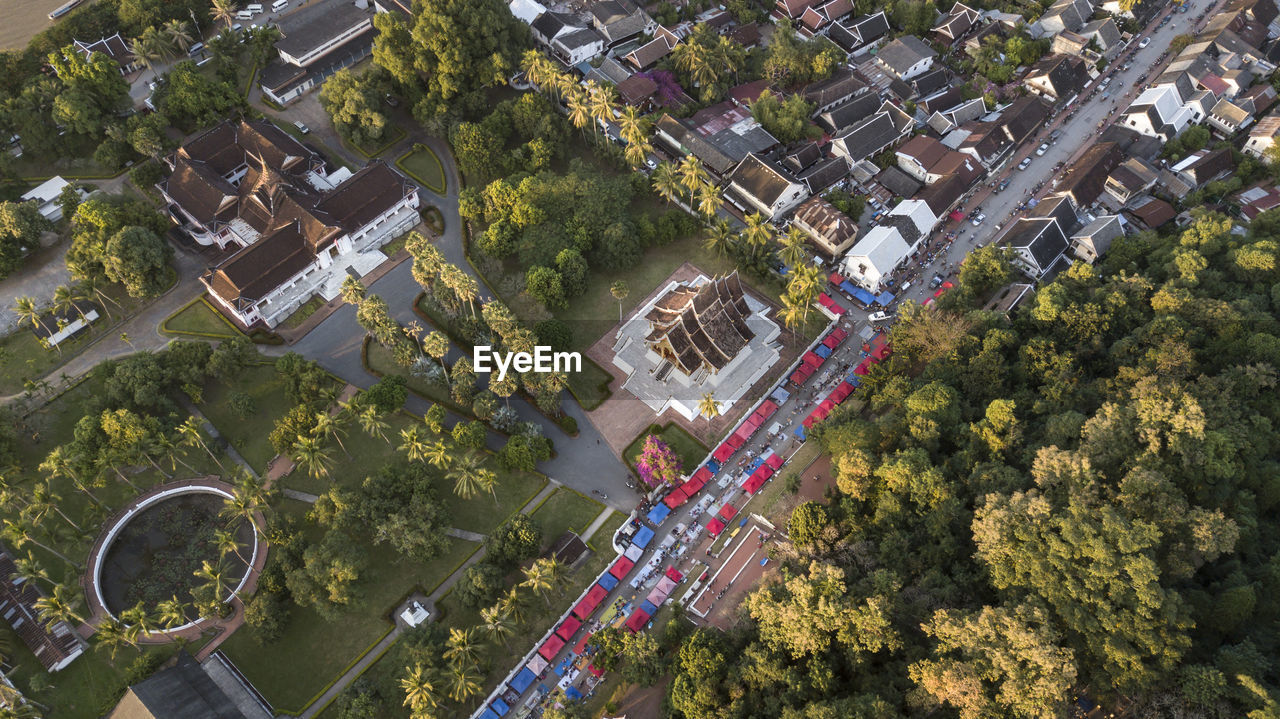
(356, 670)
(300, 496)
(464, 534)
(596, 523)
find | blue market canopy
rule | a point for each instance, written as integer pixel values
(642, 537)
(522, 680)
(659, 514)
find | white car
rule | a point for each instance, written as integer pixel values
(977, 219)
(879, 316)
(301, 127)
(1024, 164)
(1044, 147)
(1145, 42)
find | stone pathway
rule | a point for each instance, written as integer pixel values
(596, 524)
(464, 534)
(300, 496)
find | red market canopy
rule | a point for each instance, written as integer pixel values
(956, 215)
(723, 453)
(881, 353)
(841, 391)
(676, 498)
(775, 461)
(588, 604)
(582, 643)
(726, 512)
(753, 422)
(835, 278)
(621, 567)
(674, 574)
(735, 441)
(754, 483)
(766, 409)
(551, 648)
(568, 628)
(764, 470)
(595, 672)
(839, 334)
(637, 620)
(812, 359)
(809, 422)
(863, 367)
(715, 527)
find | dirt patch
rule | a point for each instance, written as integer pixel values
(623, 416)
(644, 702)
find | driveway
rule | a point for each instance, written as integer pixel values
(45, 270)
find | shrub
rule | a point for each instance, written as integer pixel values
(480, 585)
(267, 615)
(469, 434)
(389, 394)
(242, 404)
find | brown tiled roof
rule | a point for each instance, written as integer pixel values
(203, 193)
(636, 89)
(52, 642)
(701, 327)
(746, 35)
(364, 196)
(253, 272)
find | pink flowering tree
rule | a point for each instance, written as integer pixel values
(657, 463)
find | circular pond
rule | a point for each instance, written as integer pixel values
(153, 552)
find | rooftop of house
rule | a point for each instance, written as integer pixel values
(312, 26)
(761, 178)
(904, 53)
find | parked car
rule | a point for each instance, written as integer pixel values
(1053, 136)
(1044, 147)
(880, 316)
(977, 218)
(1144, 42)
(1024, 164)
(1004, 183)
(301, 127)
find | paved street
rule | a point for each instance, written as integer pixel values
(1078, 134)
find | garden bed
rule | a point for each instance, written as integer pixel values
(423, 165)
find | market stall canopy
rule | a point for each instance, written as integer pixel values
(568, 628)
(621, 567)
(660, 512)
(715, 527)
(520, 682)
(637, 620)
(551, 647)
(607, 582)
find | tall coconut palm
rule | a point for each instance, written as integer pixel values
(58, 464)
(60, 605)
(20, 532)
(497, 624)
(139, 616)
(619, 289)
(463, 683)
(633, 126)
(438, 453)
(513, 605)
(92, 286)
(66, 299)
(192, 433)
(436, 346)
(466, 474)
(792, 313)
(27, 311)
(310, 454)
(462, 647)
(636, 153)
(28, 567)
(709, 406)
(709, 200)
(328, 426)
(601, 99)
(720, 237)
(178, 34)
(171, 612)
(352, 291)
(692, 174)
(149, 48)
(226, 541)
(43, 495)
(215, 576)
(372, 423)
(757, 232)
(224, 11)
(579, 108)
(666, 182)
(537, 578)
(248, 500)
(111, 634)
(420, 693)
(168, 447)
(792, 252)
(412, 443)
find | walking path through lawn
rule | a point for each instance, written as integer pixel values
(604, 516)
(381, 647)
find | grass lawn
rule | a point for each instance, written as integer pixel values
(565, 510)
(367, 455)
(590, 386)
(301, 314)
(686, 446)
(423, 166)
(250, 436)
(313, 651)
(480, 513)
(393, 135)
(199, 318)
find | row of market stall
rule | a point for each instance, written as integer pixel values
(859, 295)
(813, 360)
(873, 352)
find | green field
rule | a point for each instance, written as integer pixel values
(301, 314)
(423, 166)
(590, 386)
(200, 319)
(378, 360)
(250, 436)
(686, 446)
(565, 510)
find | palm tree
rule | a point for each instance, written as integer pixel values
(792, 314)
(65, 298)
(637, 152)
(21, 532)
(310, 453)
(709, 201)
(372, 423)
(327, 426)
(111, 634)
(138, 616)
(463, 683)
(224, 10)
(420, 693)
(692, 174)
(28, 567)
(438, 454)
(149, 48)
(170, 449)
(436, 345)
(93, 286)
(171, 612)
(352, 291)
(633, 126)
(758, 232)
(720, 237)
(178, 34)
(193, 436)
(619, 290)
(793, 252)
(412, 443)
(58, 464)
(497, 624)
(537, 578)
(214, 574)
(25, 308)
(469, 478)
(42, 494)
(709, 406)
(513, 605)
(579, 108)
(461, 646)
(62, 605)
(600, 102)
(248, 499)
(666, 182)
(227, 543)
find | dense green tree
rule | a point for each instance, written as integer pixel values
(138, 259)
(355, 105)
(787, 120)
(21, 225)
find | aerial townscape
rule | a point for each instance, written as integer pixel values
(674, 359)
